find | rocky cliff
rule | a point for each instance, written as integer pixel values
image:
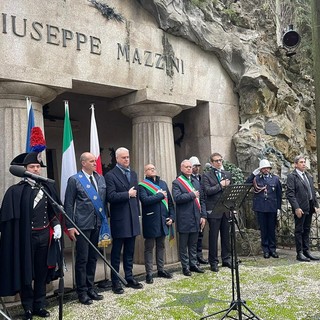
(275, 88)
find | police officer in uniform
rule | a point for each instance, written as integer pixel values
(266, 203)
(26, 218)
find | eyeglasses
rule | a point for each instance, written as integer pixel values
(218, 160)
(152, 169)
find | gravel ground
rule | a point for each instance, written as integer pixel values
(279, 289)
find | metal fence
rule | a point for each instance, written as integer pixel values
(285, 223)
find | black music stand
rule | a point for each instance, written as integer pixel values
(232, 198)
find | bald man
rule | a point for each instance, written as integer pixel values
(83, 190)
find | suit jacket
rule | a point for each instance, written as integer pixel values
(187, 212)
(212, 190)
(124, 211)
(297, 192)
(79, 207)
(154, 213)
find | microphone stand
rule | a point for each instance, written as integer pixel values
(60, 208)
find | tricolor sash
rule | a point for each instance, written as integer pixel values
(153, 188)
(93, 195)
(190, 188)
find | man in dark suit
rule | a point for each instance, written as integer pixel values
(191, 216)
(196, 165)
(302, 197)
(122, 187)
(85, 205)
(213, 182)
(157, 215)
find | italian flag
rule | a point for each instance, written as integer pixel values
(69, 166)
(94, 141)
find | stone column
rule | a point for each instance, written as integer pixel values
(13, 122)
(153, 142)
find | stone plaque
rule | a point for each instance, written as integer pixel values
(272, 128)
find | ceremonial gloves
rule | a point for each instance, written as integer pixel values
(256, 171)
(57, 231)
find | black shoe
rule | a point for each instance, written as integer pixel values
(94, 295)
(301, 257)
(186, 272)
(214, 268)
(117, 288)
(164, 274)
(43, 313)
(134, 284)
(273, 254)
(196, 269)
(149, 279)
(310, 256)
(266, 255)
(201, 260)
(85, 299)
(28, 315)
(103, 284)
(227, 264)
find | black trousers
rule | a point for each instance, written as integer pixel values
(217, 226)
(302, 231)
(86, 260)
(128, 251)
(199, 244)
(34, 298)
(267, 222)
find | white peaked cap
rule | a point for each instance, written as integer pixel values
(195, 161)
(264, 163)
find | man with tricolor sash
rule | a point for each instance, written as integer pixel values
(157, 218)
(85, 204)
(191, 216)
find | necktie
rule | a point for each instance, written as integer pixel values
(92, 182)
(219, 175)
(308, 185)
(127, 173)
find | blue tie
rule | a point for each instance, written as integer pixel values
(127, 173)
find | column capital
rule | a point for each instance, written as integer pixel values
(151, 109)
(13, 90)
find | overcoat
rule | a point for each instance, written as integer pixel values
(187, 212)
(124, 211)
(154, 212)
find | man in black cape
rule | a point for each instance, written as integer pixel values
(27, 223)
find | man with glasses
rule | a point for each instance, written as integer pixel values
(157, 216)
(302, 197)
(213, 183)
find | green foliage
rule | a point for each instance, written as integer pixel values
(237, 174)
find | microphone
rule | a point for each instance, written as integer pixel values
(207, 165)
(21, 172)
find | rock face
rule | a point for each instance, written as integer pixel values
(275, 93)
